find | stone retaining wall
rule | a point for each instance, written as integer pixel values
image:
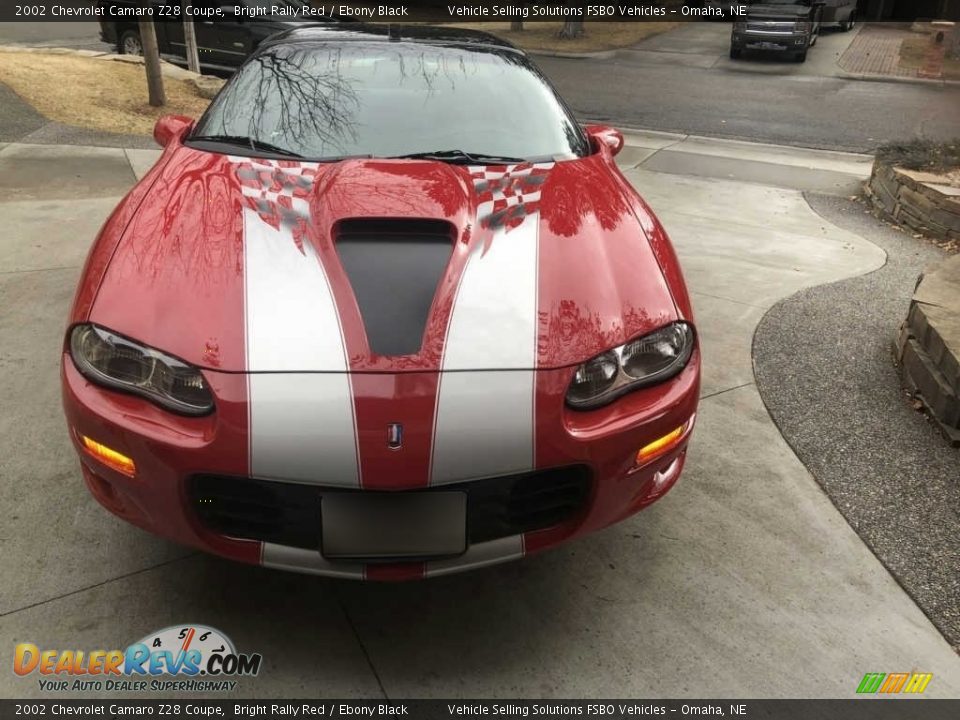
(929, 347)
(917, 200)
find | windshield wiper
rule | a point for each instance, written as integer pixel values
(252, 143)
(459, 156)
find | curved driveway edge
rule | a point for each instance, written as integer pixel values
(824, 366)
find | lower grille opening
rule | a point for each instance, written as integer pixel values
(289, 513)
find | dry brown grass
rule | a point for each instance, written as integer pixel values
(96, 94)
(922, 155)
(913, 52)
(599, 36)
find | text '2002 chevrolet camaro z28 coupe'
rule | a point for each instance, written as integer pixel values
(385, 311)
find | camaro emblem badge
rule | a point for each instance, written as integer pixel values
(394, 436)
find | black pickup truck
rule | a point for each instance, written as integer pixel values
(788, 26)
(222, 44)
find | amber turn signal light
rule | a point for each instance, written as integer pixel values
(663, 445)
(109, 457)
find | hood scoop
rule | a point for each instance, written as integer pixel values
(394, 266)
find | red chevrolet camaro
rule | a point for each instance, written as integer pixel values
(385, 311)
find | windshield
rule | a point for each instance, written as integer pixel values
(390, 99)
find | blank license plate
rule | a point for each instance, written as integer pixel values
(390, 526)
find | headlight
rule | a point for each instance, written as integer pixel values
(802, 26)
(114, 361)
(645, 361)
(740, 25)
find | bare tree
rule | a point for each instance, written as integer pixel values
(190, 40)
(151, 61)
(571, 29)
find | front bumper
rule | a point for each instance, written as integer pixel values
(174, 454)
(781, 42)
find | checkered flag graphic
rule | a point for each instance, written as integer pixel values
(279, 192)
(506, 194)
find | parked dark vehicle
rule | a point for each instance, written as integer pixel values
(842, 13)
(222, 45)
(788, 26)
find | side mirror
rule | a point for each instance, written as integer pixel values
(169, 127)
(605, 136)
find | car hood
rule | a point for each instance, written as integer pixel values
(239, 264)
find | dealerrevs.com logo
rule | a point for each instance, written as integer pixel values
(185, 657)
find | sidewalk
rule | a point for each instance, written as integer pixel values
(805, 169)
(876, 51)
(875, 54)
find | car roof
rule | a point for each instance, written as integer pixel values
(393, 32)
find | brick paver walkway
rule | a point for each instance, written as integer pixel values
(876, 51)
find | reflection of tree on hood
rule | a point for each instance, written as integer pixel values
(568, 330)
(439, 181)
(577, 190)
(201, 225)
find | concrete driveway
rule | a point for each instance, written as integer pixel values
(743, 582)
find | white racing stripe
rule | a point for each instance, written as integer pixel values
(301, 421)
(492, 552)
(493, 324)
(283, 557)
(480, 555)
(484, 418)
(484, 425)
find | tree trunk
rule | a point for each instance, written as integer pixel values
(190, 39)
(516, 25)
(151, 60)
(953, 43)
(571, 29)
